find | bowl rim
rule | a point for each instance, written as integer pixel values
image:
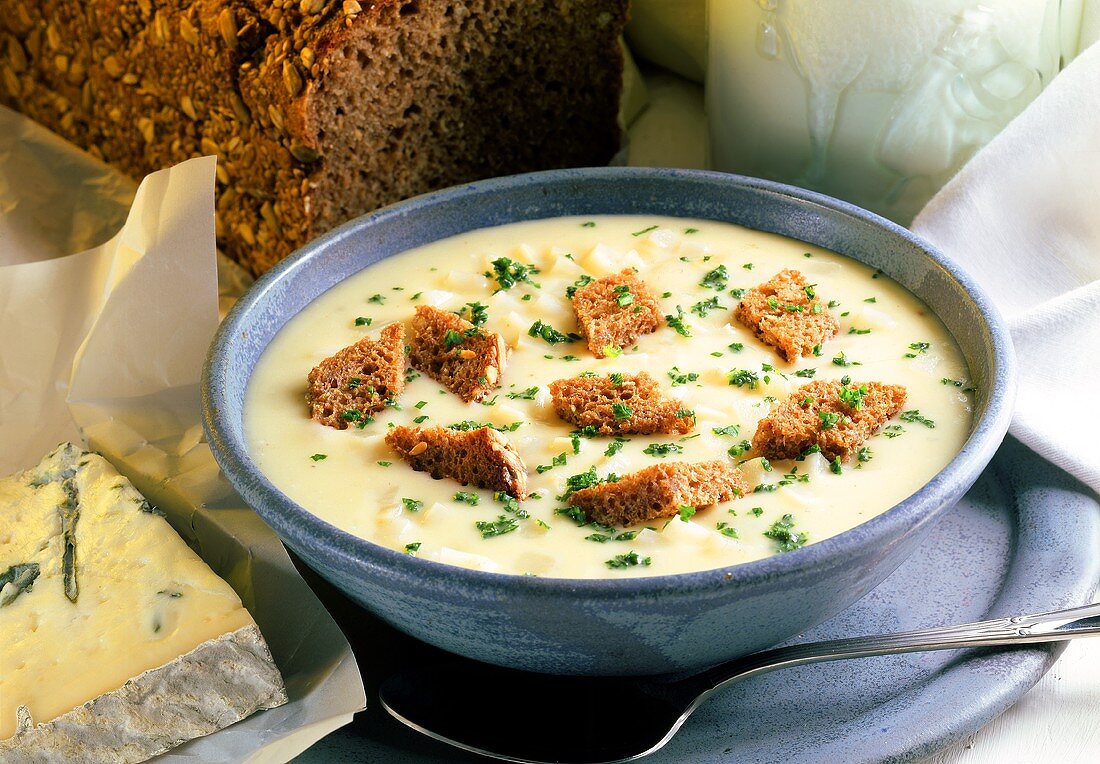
(298, 526)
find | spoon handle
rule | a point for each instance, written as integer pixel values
(1054, 626)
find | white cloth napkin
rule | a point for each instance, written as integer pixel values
(1023, 218)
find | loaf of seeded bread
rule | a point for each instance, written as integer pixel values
(319, 110)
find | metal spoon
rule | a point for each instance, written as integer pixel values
(542, 719)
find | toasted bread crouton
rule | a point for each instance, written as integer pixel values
(619, 403)
(785, 313)
(820, 414)
(660, 491)
(466, 360)
(357, 381)
(616, 310)
(481, 457)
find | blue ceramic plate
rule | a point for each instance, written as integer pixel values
(1026, 538)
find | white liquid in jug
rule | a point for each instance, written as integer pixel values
(875, 102)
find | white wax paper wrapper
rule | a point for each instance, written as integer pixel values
(108, 344)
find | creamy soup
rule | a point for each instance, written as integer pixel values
(698, 268)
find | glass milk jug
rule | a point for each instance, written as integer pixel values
(878, 102)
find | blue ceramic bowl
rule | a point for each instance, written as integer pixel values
(638, 625)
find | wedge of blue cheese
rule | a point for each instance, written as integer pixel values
(117, 642)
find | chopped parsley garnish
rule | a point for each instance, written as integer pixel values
(681, 378)
(319, 457)
(676, 323)
(582, 480)
(508, 273)
(691, 230)
(550, 334)
(352, 415)
(628, 560)
(736, 347)
(467, 497)
(732, 430)
(384, 464)
(806, 373)
(575, 439)
(743, 378)
(917, 348)
(704, 307)
(736, 451)
(853, 396)
(377, 299)
(615, 446)
(503, 524)
(623, 297)
(828, 419)
(354, 384)
(870, 299)
(557, 461)
(737, 293)
(412, 548)
(588, 224)
(914, 416)
(584, 280)
(413, 505)
(452, 339)
(747, 266)
(621, 411)
(662, 449)
(616, 378)
(840, 359)
(421, 419)
(854, 330)
(686, 512)
(478, 313)
(727, 530)
(951, 382)
(893, 431)
(865, 454)
(782, 531)
(527, 395)
(610, 351)
(470, 424)
(717, 279)
(836, 466)
(363, 321)
(645, 230)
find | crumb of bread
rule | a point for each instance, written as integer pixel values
(358, 380)
(619, 404)
(615, 311)
(465, 359)
(785, 313)
(660, 491)
(481, 457)
(817, 415)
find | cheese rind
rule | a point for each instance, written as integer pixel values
(124, 643)
(217, 684)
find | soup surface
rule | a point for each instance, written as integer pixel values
(352, 479)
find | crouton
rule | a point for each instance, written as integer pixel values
(616, 310)
(358, 381)
(785, 313)
(481, 457)
(660, 491)
(820, 414)
(465, 359)
(619, 403)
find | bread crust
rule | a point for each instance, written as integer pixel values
(361, 378)
(465, 359)
(782, 313)
(481, 457)
(593, 402)
(609, 324)
(815, 415)
(319, 110)
(660, 491)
